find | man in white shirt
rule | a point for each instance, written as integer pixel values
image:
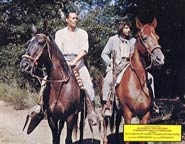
(73, 43)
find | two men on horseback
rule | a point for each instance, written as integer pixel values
(121, 46)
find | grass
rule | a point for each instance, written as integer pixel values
(19, 98)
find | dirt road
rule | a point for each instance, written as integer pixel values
(12, 121)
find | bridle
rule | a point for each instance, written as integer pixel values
(34, 60)
(40, 52)
(150, 52)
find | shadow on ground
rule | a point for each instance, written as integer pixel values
(115, 139)
(112, 138)
(88, 141)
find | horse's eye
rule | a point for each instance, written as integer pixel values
(144, 38)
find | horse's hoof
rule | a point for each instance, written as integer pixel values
(156, 109)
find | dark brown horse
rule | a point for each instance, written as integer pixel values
(62, 96)
(133, 91)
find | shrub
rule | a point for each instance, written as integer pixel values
(19, 98)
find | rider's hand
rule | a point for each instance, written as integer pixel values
(110, 65)
(71, 63)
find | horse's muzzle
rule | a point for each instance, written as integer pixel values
(158, 57)
(26, 66)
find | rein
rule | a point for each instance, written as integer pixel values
(146, 68)
(40, 52)
(36, 63)
(37, 57)
(53, 81)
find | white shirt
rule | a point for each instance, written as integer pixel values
(72, 43)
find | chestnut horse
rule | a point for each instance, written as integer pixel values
(62, 95)
(133, 92)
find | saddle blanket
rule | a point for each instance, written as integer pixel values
(120, 75)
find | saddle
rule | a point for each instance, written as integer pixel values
(118, 71)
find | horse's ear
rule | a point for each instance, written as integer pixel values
(33, 30)
(154, 22)
(139, 25)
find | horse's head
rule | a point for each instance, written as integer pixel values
(38, 48)
(149, 39)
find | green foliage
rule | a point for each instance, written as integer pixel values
(19, 98)
(99, 18)
(19, 16)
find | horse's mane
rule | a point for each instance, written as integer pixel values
(55, 49)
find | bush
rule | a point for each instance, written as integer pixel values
(19, 98)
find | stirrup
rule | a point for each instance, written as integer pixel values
(93, 118)
(107, 111)
(155, 108)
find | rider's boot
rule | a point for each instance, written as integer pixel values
(92, 115)
(108, 106)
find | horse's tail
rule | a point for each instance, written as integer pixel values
(115, 118)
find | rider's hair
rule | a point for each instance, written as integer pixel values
(70, 11)
(122, 23)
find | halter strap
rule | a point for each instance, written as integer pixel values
(54, 81)
(150, 52)
(34, 60)
(40, 52)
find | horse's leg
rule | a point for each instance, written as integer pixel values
(60, 127)
(70, 124)
(82, 119)
(118, 121)
(127, 117)
(105, 124)
(54, 129)
(145, 118)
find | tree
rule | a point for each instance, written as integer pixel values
(99, 18)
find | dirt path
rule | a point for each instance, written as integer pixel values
(11, 124)
(12, 121)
